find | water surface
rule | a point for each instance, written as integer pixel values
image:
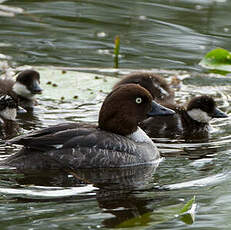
(169, 35)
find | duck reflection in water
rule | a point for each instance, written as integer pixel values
(116, 188)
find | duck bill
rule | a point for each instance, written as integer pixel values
(36, 89)
(219, 114)
(159, 110)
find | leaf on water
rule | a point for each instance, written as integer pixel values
(188, 206)
(218, 59)
(67, 85)
(187, 218)
(187, 213)
(164, 214)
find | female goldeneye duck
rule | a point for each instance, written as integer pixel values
(117, 141)
(23, 90)
(155, 84)
(191, 122)
(8, 111)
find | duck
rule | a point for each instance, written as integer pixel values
(8, 112)
(190, 122)
(117, 141)
(24, 89)
(157, 85)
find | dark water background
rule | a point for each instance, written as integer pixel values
(170, 35)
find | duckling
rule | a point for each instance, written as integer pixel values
(23, 90)
(190, 122)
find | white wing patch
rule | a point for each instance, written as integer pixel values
(199, 115)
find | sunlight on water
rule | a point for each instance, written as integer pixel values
(48, 192)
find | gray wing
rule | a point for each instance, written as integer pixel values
(76, 148)
(71, 135)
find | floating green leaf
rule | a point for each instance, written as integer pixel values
(218, 59)
(164, 214)
(187, 218)
(69, 85)
(188, 206)
(187, 213)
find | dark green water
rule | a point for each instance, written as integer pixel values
(169, 35)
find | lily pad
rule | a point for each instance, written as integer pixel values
(69, 85)
(218, 59)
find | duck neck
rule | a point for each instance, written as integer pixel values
(140, 136)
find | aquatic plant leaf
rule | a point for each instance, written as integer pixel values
(218, 59)
(164, 214)
(187, 213)
(188, 206)
(187, 218)
(71, 85)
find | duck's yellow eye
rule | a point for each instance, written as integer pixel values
(138, 100)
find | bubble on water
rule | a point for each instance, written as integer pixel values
(202, 47)
(101, 34)
(142, 17)
(101, 51)
(198, 7)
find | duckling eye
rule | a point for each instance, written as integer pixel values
(138, 100)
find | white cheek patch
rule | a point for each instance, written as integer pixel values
(199, 115)
(8, 114)
(22, 91)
